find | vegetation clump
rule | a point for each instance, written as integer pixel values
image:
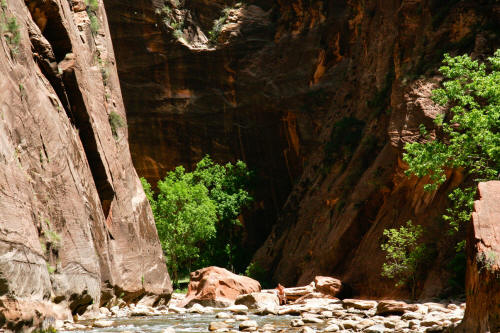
(196, 214)
(467, 140)
(404, 254)
(116, 122)
(469, 133)
(92, 7)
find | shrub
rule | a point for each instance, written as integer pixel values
(92, 8)
(116, 122)
(403, 254)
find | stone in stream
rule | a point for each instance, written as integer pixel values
(359, 304)
(102, 323)
(388, 307)
(198, 308)
(258, 301)
(239, 309)
(311, 318)
(377, 329)
(248, 325)
(241, 317)
(218, 325)
(168, 330)
(223, 315)
(268, 327)
(296, 323)
(412, 315)
(307, 329)
(332, 328)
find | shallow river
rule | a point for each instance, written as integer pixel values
(189, 322)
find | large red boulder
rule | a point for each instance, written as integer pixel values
(327, 285)
(218, 287)
(482, 281)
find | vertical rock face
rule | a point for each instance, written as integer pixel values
(483, 263)
(75, 225)
(319, 97)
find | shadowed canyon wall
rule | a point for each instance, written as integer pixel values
(75, 225)
(319, 98)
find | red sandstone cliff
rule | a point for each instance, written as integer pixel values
(317, 96)
(75, 225)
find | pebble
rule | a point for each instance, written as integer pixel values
(297, 323)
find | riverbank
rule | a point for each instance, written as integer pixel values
(309, 315)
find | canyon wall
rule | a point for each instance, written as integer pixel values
(319, 97)
(75, 225)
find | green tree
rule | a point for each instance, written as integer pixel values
(228, 188)
(469, 132)
(404, 254)
(197, 212)
(184, 215)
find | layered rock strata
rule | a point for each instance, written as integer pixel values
(75, 225)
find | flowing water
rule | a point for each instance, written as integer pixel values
(189, 322)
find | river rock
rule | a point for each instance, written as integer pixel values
(258, 301)
(218, 325)
(311, 318)
(388, 307)
(412, 315)
(238, 309)
(293, 294)
(359, 304)
(296, 323)
(141, 311)
(307, 329)
(332, 328)
(198, 308)
(327, 285)
(223, 315)
(376, 329)
(240, 317)
(102, 323)
(217, 287)
(248, 325)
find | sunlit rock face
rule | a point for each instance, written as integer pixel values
(75, 225)
(319, 97)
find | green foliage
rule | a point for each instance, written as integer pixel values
(11, 34)
(92, 8)
(403, 254)
(3, 4)
(345, 137)
(255, 271)
(184, 215)
(51, 269)
(213, 34)
(116, 122)
(471, 126)
(92, 5)
(196, 214)
(470, 137)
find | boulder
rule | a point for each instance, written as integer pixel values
(217, 287)
(327, 285)
(389, 307)
(482, 286)
(259, 301)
